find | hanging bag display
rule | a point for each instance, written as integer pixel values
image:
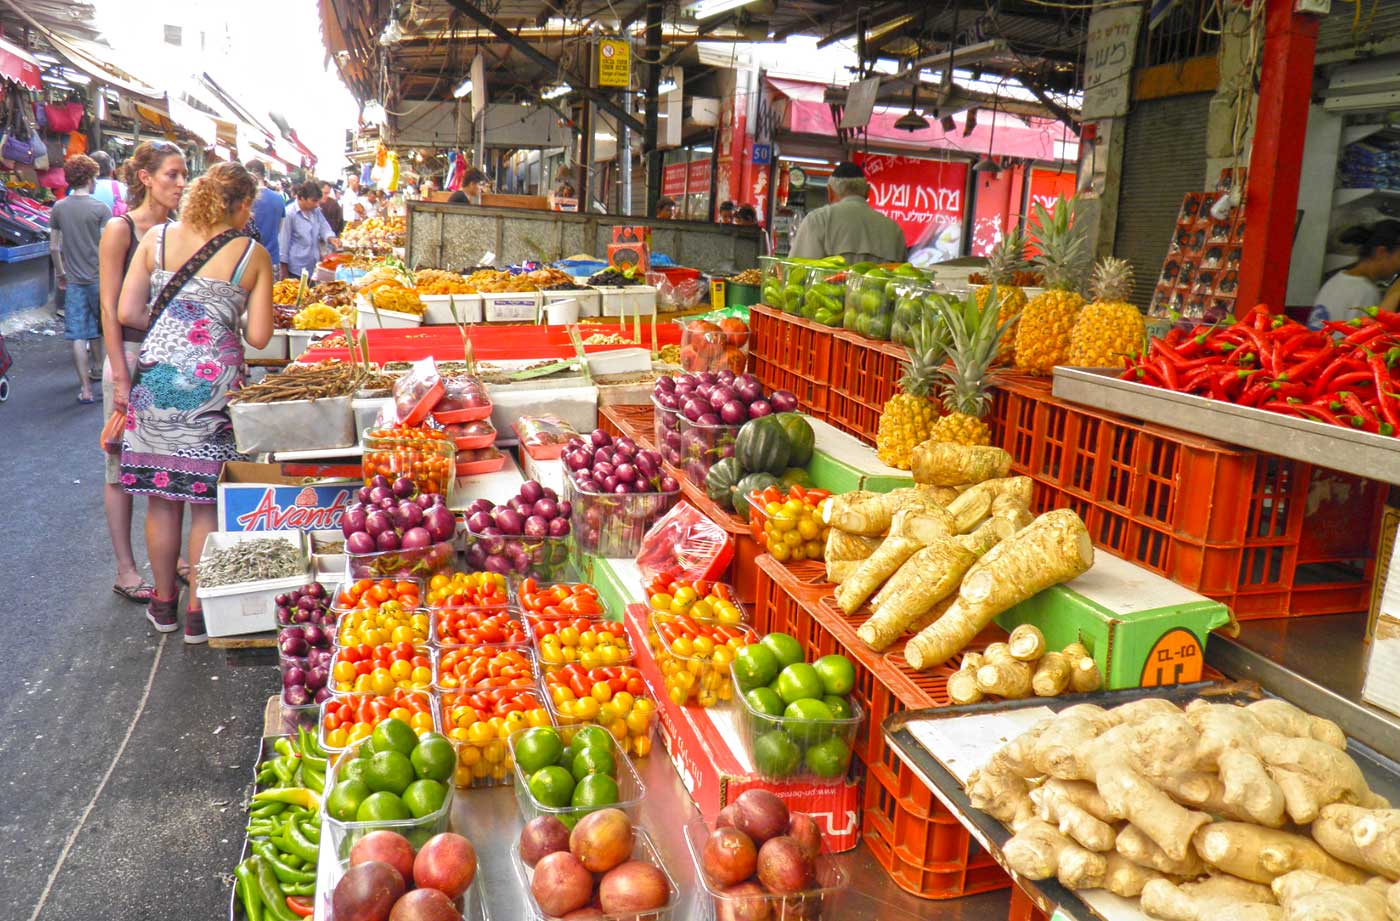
(63, 117)
(14, 146)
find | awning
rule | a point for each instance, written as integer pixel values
(19, 66)
(94, 60)
(192, 120)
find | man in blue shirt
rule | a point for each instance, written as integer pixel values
(267, 211)
(304, 232)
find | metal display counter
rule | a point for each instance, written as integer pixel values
(456, 236)
(1376, 457)
(1048, 895)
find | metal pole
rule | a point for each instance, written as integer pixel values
(624, 157)
(588, 154)
(479, 127)
(653, 81)
(1276, 161)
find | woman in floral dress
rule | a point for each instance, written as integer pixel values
(178, 433)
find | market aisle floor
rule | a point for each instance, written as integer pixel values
(83, 670)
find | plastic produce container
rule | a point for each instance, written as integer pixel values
(638, 743)
(912, 300)
(443, 640)
(613, 524)
(774, 272)
(447, 659)
(343, 835)
(471, 436)
(545, 559)
(551, 662)
(426, 699)
(810, 903)
(702, 446)
(420, 562)
(823, 296)
(696, 676)
(644, 849)
(471, 905)
(706, 347)
(360, 619)
(745, 616)
(870, 303)
(784, 748)
(427, 461)
(666, 432)
(484, 759)
(630, 789)
(285, 662)
(344, 688)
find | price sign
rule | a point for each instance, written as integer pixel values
(614, 62)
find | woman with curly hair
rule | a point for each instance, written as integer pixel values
(178, 433)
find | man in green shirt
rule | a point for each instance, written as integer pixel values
(848, 226)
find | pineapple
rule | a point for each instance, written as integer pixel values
(907, 417)
(1109, 329)
(1006, 260)
(976, 332)
(1048, 320)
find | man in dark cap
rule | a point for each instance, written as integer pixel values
(848, 226)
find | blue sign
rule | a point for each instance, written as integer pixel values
(763, 154)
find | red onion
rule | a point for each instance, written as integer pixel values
(408, 515)
(536, 527)
(379, 481)
(547, 509)
(403, 487)
(362, 494)
(531, 491)
(378, 522)
(379, 493)
(509, 521)
(784, 401)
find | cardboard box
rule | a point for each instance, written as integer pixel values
(1142, 630)
(257, 497)
(626, 233)
(842, 463)
(624, 256)
(708, 754)
(1390, 519)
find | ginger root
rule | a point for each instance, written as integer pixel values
(1309, 896)
(1312, 774)
(1214, 898)
(1262, 855)
(1055, 805)
(1026, 643)
(1284, 718)
(1051, 675)
(1039, 851)
(1134, 845)
(943, 463)
(1126, 878)
(1367, 838)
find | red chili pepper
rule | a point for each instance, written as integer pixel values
(1381, 374)
(301, 908)
(1322, 413)
(1281, 406)
(1358, 409)
(1282, 390)
(1306, 369)
(1168, 372)
(1364, 334)
(1255, 394)
(1334, 370)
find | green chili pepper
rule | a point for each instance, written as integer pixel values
(298, 844)
(266, 810)
(283, 747)
(311, 829)
(293, 796)
(269, 887)
(245, 878)
(315, 780)
(300, 889)
(285, 769)
(283, 871)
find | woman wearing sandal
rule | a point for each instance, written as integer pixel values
(205, 283)
(156, 180)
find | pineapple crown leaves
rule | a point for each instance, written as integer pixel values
(975, 335)
(1061, 243)
(1113, 279)
(1008, 257)
(928, 348)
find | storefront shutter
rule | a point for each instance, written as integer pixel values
(1163, 158)
(1338, 30)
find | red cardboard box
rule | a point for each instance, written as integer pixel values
(714, 769)
(624, 233)
(624, 256)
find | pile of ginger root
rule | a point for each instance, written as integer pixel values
(1214, 811)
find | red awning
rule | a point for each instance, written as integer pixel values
(18, 66)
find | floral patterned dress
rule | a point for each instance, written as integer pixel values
(178, 433)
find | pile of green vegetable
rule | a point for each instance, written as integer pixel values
(872, 292)
(768, 451)
(277, 881)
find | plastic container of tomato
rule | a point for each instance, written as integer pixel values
(696, 672)
(350, 628)
(560, 600)
(494, 626)
(484, 758)
(480, 461)
(376, 708)
(630, 789)
(365, 667)
(552, 654)
(448, 661)
(425, 456)
(715, 593)
(632, 729)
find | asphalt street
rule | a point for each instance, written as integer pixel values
(126, 755)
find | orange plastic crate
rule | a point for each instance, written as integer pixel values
(853, 417)
(864, 369)
(1267, 535)
(811, 395)
(1022, 908)
(799, 345)
(634, 421)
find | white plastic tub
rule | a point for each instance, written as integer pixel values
(294, 425)
(511, 306)
(629, 301)
(439, 308)
(385, 319)
(248, 607)
(590, 302)
(275, 350)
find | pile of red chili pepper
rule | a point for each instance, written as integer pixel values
(1347, 373)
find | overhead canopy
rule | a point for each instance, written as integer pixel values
(19, 66)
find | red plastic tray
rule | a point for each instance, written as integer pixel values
(490, 342)
(462, 415)
(475, 468)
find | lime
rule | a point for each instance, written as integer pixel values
(595, 791)
(537, 748)
(345, 799)
(424, 797)
(390, 772)
(784, 648)
(394, 735)
(840, 707)
(754, 666)
(382, 807)
(798, 717)
(765, 700)
(353, 769)
(799, 682)
(829, 758)
(594, 761)
(590, 737)
(434, 758)
(837, 673)
(552, 786)
(775, 754)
